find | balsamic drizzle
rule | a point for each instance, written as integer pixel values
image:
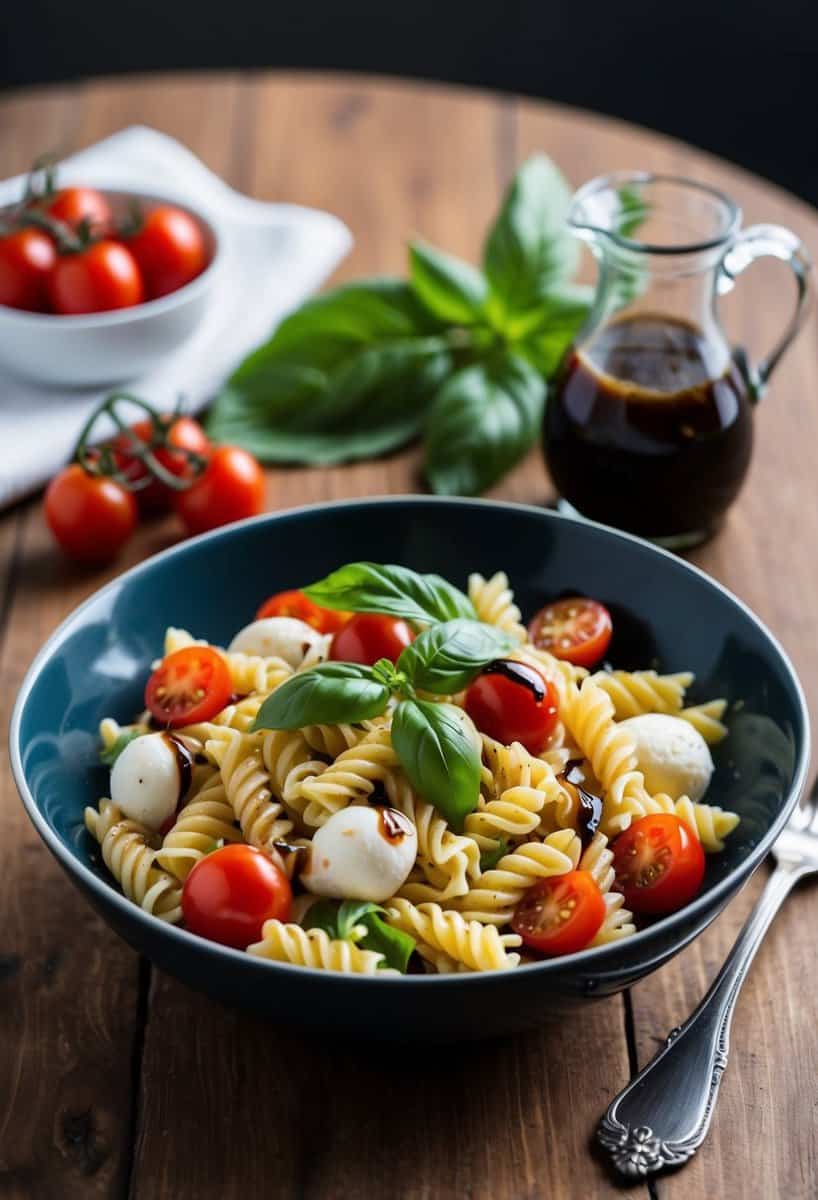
(589, 806)
(517, 672)
(184, 762)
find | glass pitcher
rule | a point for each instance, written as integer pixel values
(649, 427)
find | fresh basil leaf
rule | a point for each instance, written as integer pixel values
(112, 753)
(393, 590)
(438, 756)
(351, 913)
(530, 249)
(331, 693)
(448, 287)
(323, 915)
(396, 946)
(339, 921)
(490, 858)
(445, 658)
(543, 340)
(482, 422)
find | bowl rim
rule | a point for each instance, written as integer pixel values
(147, 309)
(583, 961)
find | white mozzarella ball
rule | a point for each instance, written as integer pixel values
(146, 780)
(361, 853)
(673, 756)
(276, 637)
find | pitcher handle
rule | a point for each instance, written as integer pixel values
(759, 241)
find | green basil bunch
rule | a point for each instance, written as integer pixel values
(456, 354)
(360, 921)
(430, 737)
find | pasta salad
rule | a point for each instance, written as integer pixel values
(385, 774)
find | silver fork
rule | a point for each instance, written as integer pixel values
(662, 1117)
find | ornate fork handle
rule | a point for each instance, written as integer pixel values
(661, 1118)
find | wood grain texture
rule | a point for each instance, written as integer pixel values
(188, 1099)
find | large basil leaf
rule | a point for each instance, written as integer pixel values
(482, 422)
(344, 921)
(543, 339)
(530, 249)
(332, 693)
(396, 591)
(440, 759)
(445, 658)
(450, 289)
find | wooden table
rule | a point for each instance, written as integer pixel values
(116, 1079)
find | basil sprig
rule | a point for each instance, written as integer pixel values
(445, 658)
(395, 591)
(360, 921)
(332, 693)
(457, 354)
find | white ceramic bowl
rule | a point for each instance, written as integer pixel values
(109, 347)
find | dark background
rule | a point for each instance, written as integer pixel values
(738, 77)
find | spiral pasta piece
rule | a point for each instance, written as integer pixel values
(597, 858)
(289, 761)
(354, 775)
(635, 692)
(247, 784)
(332, 740)
(204, 821)
(129, 856)
(564, 675)
(707, 719)
(475, 946)
(314, 948)
(493, 602)
(710, 823)
(521, 787)
(447, 860)
(498, 891)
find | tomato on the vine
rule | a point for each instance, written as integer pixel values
(177, 435)
(91, 516)
(76, 206)
(27, 257)
(513, 702)
(366, 637)
(560, 914)
(230, 893)
(170, 249)
(230, 488)
(295, 604)
(189, 686)
(576, 629)
(659, 864)
(100, 277)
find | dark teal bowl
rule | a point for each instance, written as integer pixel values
(666, 613)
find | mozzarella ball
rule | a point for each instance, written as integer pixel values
(362, 853)
(276, 637)
(673, 756)
(146, 780)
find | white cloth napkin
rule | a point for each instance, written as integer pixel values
(275, 255)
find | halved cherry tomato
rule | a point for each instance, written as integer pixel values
(230, 893)
(560, 914)
(181, 432)
(188, 686)
(231, 488)
(513, 702)
(170, 249)
(366, 637)
(75, 205)
(296, 604)
(100, 278)
(91, 516)
(659, 864)
(576, 629)
(27, 257)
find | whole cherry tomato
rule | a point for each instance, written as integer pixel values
(296, 604)
(560, 914)
(513, 702)
(27, 257)
(576, 629)
(177, 434)
(101, 277)
(189, 686)
(230, 893)
(170, 249)
(366, 637)
(659, 864)
(91, 516)
(230, 488)
(77, 205)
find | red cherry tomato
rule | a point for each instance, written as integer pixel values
(513, 702)
(659, 864)
(366, 637)
(181, 432)
(170, 249)
(27, 258)
(230, 893)
(91, 516)
(189, 686)
(75, 205)
(576, 629)
(296, 604)
(560, 914)
(102, 277)
(231, 488)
